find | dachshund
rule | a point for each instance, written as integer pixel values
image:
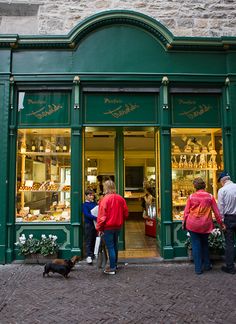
(63, 269)
(74, 260)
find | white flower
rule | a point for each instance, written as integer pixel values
(43, 236)
(216, 232)
(31, 236)
(50, 236)
(54, 237)
(22, 239)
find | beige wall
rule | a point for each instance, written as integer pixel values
(181, 17)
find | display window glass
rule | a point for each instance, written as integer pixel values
(43, 175)
(195, 153)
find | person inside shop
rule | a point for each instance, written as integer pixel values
(89, 226)
(227, 207)
(199, 222)
(148, 203)
(99, 190)
(112, 213)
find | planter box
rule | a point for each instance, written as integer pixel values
(39, 258)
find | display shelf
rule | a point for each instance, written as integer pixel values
(45, 153)
(195, 153)
(197, 169)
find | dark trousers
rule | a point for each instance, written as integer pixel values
(230, 223)
(90, 238)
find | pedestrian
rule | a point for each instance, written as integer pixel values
(227, 207)
(198, 221)
(112, 213)
(89, 226)
(148, 204)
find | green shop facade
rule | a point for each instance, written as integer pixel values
(119, 97)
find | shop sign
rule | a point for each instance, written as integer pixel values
(118, 108)
(203, 109)
(44, 108)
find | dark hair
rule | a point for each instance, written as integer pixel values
(199, 183)
(89, 192)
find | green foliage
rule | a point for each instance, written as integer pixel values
(45, 246)
(216, 240)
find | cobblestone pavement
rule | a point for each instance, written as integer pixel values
(138, 293)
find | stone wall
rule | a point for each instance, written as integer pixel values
(181, 17)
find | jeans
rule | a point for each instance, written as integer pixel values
(200, 251)
(111, 240)
(90, 238)
(230, 223)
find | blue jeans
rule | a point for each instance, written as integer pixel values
(111, 240)
(200, 251)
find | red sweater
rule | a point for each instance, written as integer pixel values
(198, 212)
(112, 212)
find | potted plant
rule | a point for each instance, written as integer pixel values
(216, 243)
(38, 250)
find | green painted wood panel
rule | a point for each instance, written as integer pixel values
(28, 61)
(202, 110)
(4, 161)
(44, 108)
(5, 59)
(116, 108)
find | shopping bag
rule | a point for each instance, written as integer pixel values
(102, 255)
(97, 244)
(94, 212)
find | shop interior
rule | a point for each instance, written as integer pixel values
(139, 180)
(195, 153)
(44, 174)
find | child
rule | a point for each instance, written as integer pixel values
(90, 231)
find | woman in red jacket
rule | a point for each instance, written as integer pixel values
(112, 212)
(198, 221)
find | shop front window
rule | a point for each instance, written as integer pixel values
(195, 153)
(43, 175)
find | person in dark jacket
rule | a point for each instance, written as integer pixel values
(89, 227)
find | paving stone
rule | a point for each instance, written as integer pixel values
(139, 293)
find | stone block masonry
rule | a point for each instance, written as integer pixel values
(211, 18)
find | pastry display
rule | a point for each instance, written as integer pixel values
(193, 156)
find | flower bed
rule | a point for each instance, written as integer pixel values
(216, 241)
(46, 246)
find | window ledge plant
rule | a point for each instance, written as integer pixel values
(30, 246)
(216, 241)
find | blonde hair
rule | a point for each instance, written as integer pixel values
(109, 187)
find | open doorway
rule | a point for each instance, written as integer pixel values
(140, 174)
(141, 192)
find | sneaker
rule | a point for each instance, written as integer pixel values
(208, 268)
(89, 260)
(198, 272)
(109, 271)
(227, 270)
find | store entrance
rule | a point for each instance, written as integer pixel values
(139, 173)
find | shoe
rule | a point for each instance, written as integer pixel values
(89, 260)
(208, 269)
(199, 273)
(109, 271)
(227, 270)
